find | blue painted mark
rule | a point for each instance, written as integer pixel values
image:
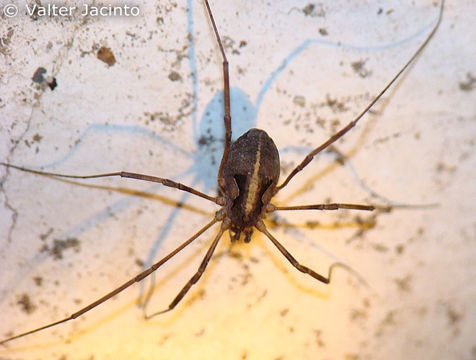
(208, 133)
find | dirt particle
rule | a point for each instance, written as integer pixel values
(403, 284)
(40, 78)
(469, 84)
(43, 237)
(399, 249)
(358, 314)
(313, 10)
(299, 100)
(61, 245)
(442, 167)
(174, 76)
(318, 338)
(380, 247)
(25, 303)
(38, 75)
(335, 105)
(37, 138)
(454, 317)
(311, 224)
(5, 42)
(323, 31)
(359, 68)
(139, 263)
(105, 55)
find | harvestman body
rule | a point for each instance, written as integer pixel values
(247, 181)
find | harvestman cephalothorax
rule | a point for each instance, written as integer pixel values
(247, 181)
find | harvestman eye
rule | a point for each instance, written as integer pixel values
(248, 179)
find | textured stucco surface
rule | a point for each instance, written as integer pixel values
(140, 115)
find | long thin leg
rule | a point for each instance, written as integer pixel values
(121, 288)
(350, 125)
(195, 277)
(226, 91)
(304, 269)
(332, 206)
(124, 174)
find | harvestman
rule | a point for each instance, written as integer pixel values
(247, 181)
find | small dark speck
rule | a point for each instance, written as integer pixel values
(299, 100)
(39, 78)
(403, 284)
(52, 84)
(307, 10)
(313, 10)
(38, 280)
(174, 76)
(380, 11)
(312, 224)
(323, 31)
(105, 55)
(235, 255)
(469, 84)
(318, 337)
(206, 140)
(38, 75)
(37, 137)
(399, 249)
(358, 314)
(139, 263)
(454, 316)
(380, 247)
(390, 317)
(335, 105)
(60, 245)
(243, 43)
(25, 302)
(359, 68)
(441, 167)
